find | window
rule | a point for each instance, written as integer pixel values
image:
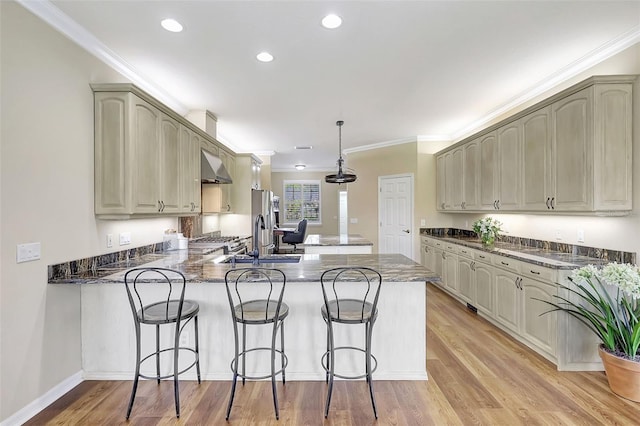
(302, 201)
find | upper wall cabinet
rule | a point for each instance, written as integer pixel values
(569, 153)
(147, 157)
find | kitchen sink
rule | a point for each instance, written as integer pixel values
(270, 258)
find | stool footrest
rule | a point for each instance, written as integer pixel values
(324, 361)
(275, 373)
(195, 361)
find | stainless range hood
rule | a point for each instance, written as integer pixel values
(212, 170)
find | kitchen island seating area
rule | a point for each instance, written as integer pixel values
(171, 309)
(255, 298)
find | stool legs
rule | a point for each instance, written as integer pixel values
(235, 368)
(282, 348)
(368, 331)
(273, 368)
(195, 319)
(137, 374)
(331, 366)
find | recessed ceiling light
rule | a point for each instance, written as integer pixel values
(300, 166)
(264, 57)
(331, 21)
(171, 25)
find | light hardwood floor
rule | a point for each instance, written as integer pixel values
(477, 375)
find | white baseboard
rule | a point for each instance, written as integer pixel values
(44, 401)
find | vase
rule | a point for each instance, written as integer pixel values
(488, 241)
(623, 375)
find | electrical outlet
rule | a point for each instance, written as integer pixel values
(125, 238)
(423, 222)
(27, 252)
(184, 338)
(558, 235)
(109, 240)
(580, 236)
(353, 220)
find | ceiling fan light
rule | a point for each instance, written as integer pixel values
(300, 166)
(340, 177)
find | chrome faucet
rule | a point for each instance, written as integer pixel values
(255, 253)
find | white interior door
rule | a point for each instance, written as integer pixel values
(395, 214)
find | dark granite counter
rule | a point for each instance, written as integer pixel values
(543, 253)
(336, 240)
(205, 266)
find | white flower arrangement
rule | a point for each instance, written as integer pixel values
(488, 229)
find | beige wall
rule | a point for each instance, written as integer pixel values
(329, 202)
(46, 195)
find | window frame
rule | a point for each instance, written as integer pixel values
(285, 202)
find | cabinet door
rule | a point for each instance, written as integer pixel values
(225, 189)
(170, 165)
(471, 162)
(111, 145)
(572, 152)
(441, 187)
(613, 142)
(189, 171)
(488, 171)
(536, 153)
(508, 191)
(146, 157)
(539, 329)
(466, 280)
(450, 267)
(438, 265)
(484, 289)
(454, 178)
(507, 297)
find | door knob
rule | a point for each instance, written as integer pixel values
(405, 230)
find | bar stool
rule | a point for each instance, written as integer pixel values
(143, 285)
(250, 294)
(360, 310)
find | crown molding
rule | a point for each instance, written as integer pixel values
(594, 57)
(380, 145)
(53, 16)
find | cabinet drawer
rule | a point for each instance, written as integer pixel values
(451, 247)
(466, 252)
(482, 256)
(536, 272)
(506, 263)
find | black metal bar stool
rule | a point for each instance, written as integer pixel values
(360, 310)
(255, 298)
(143, 284)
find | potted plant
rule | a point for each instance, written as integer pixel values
(607, 301)
(488, 229)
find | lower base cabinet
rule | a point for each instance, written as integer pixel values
(512, 298)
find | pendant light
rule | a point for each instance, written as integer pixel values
(340, 177)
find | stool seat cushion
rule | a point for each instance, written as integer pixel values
(158, 313)
(350, 310)
(260, 311)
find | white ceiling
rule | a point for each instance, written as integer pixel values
(394, 71)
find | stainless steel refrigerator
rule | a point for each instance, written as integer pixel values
(261, 203)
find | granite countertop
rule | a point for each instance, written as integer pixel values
(535, 255)
(336, 240)
(201, 265)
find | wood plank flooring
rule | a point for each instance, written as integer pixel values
(477, 375)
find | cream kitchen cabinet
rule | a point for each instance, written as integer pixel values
(509, 293)
(136, 157)
(569, 153)
(470, 171)
(536, 154)
(218, 197)
(441, 189)
(190, 195)
(226, 201)
(450, 175)
(147, 157)
(488, 171)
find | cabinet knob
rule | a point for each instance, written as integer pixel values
(548, 201)
(553, 203)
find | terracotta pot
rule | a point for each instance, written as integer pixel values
(623, 375)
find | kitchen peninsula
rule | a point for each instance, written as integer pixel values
(399, 336)
(337, 244)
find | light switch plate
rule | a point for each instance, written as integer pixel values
(125, 238)
(353, 220)
(580, 236)
(27, 252)
(109, 240)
